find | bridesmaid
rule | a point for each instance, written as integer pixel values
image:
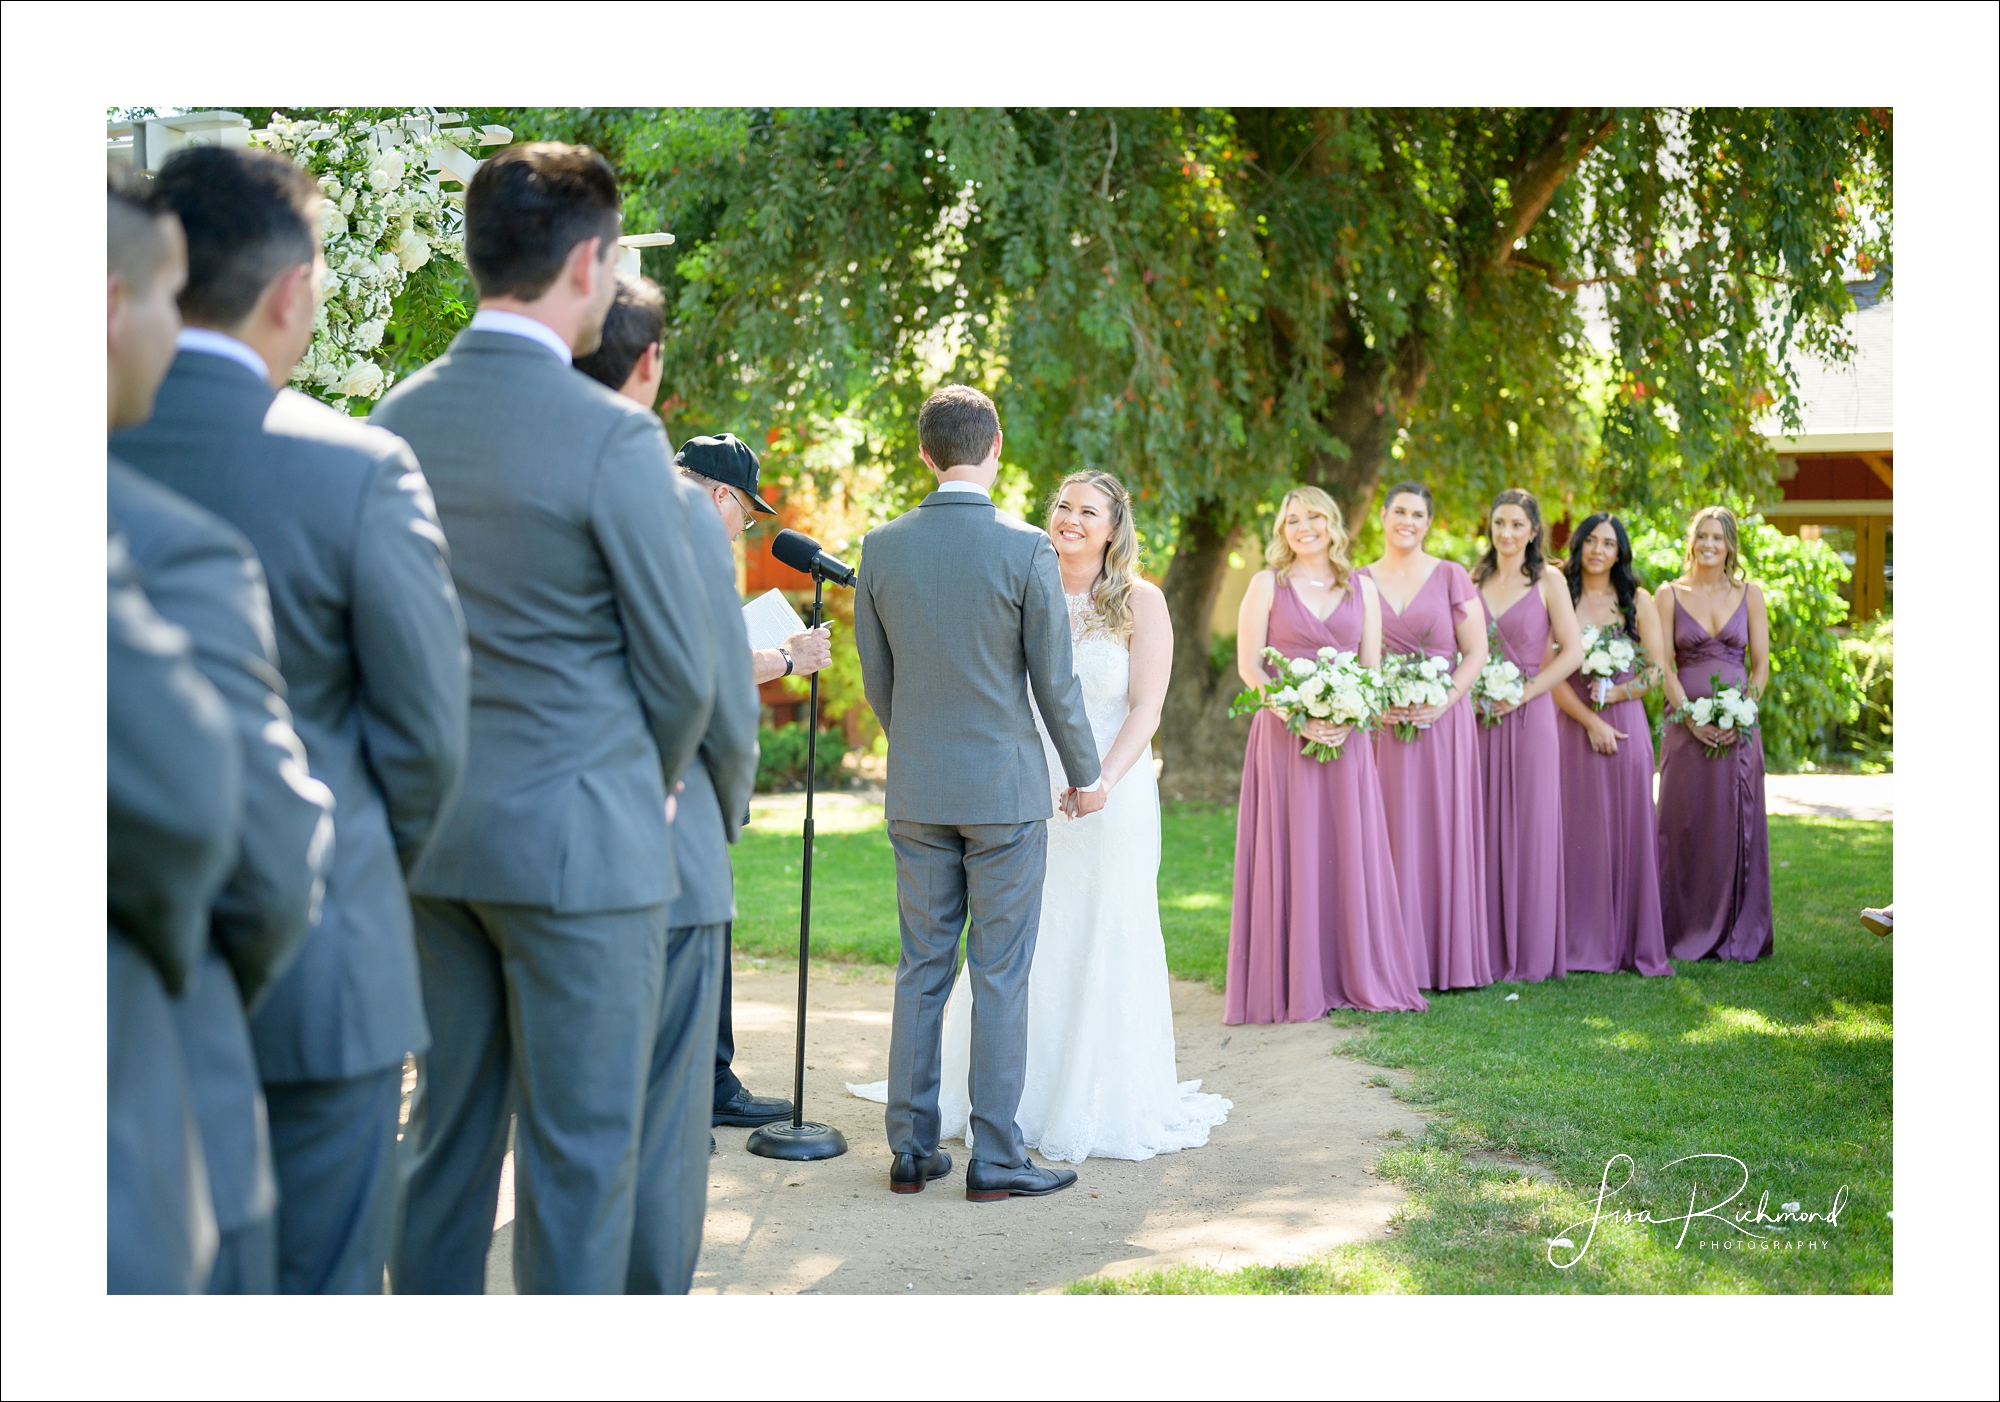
(1317, 921)
(1527, 607)
(1430, 785)
(1611, 885)
(1715, 853)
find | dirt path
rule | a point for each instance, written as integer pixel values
(1286, 1177)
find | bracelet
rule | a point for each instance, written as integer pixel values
(782, 652)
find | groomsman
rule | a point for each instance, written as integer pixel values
(372, 645)
(202, 576)
(173, 809)
(627, 359)
(549, 974)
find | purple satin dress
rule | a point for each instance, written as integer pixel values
(1611, 881)
(1318, 922)
(1430, 791)
(1715, 850)
(1523, 794)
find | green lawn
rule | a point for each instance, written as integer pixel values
(1784, 1065)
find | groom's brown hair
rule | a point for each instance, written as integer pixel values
(956, 426)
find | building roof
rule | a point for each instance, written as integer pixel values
(1841, 405)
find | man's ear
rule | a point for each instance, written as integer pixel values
(292, 294)
(997, 437)
(927, 460)
(582, 270)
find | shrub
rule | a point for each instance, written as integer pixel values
(781, 757)
(1814, 690)
(1872, 653)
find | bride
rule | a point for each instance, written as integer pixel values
(1100, 1070)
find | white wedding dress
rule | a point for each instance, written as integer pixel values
(1100, 1079)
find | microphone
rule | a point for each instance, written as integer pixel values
(803, 554)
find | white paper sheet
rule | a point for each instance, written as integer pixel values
(770, 620)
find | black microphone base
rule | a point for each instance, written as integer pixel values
(797, 1143)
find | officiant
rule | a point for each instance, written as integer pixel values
(726, 471)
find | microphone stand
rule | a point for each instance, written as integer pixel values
(803, 1140)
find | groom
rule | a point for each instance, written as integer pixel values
(956, 605)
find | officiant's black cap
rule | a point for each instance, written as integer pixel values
(724, 458)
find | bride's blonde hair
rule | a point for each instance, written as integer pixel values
(1278, 554)
(1111, 596)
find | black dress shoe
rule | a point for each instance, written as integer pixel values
(908, 1173)
(743, 1108)
(990, 1182)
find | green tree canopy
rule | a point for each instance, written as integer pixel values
(1215, 304)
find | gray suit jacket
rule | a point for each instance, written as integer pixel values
(203, 576)
(725, 768)
(956, 605)
(372, 648)
(173, 805)
(593, 666)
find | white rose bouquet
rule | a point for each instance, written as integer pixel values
(1415, 679)
(1332, 686)
(1606, 653)
(384, 217)
(1726, 708)
(1499, 682)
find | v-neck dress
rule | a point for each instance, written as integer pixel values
(1611, 878)
(1431, 794)
(1317, 921)
(1715, 847)
(1522, 786)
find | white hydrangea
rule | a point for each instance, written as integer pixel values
(383, 218)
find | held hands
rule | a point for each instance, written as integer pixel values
(1325, 732)
(1604, 738)
(1713, 737)
(1497, 709)
(1081, 803)
(1419, 715)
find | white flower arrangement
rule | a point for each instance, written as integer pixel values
(1499, 683)
(1606, 653)
(384, 217)
(1332, 686)
(1726, 708)
(1415, 679)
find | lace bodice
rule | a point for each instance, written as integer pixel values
(1104, 669)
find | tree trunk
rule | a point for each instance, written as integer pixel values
(1201, 746)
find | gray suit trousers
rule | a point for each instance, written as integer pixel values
(562, 1019)
(994, 871)
(673, 1146)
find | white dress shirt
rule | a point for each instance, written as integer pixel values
(203, 341)
(1094, 785)
(514, 324)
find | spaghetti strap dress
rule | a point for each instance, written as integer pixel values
(1431, 794)
(1522, 783)
(1611, 879)
(1714, 844)
(1317, 921)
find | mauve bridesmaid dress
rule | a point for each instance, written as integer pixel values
(1317, 922)
(1715, 850)
(1611, 880)
(1430, 791)
(1523, 794)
